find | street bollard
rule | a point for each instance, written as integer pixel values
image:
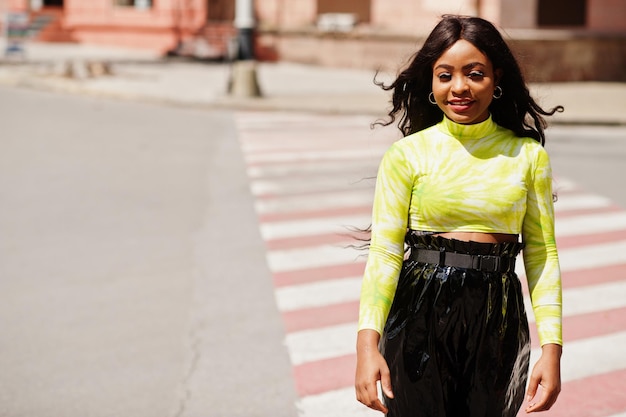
(244, 81)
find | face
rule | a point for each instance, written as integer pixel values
(463, 83)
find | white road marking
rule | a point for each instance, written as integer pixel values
(591, 224)
(318, 294)
(581, 359)
(312, 227)
(306, 202)
(571, 259)
(591, 256)
(570, 202)
(589, 357)
(299, 186)
(314, 155)
(318, 256)
(332, 341)
(325, 343)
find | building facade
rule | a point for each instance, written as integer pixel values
(164, 26)
(562, 39)
(557, 40)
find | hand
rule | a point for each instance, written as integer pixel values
(547, 373)
(371, 368)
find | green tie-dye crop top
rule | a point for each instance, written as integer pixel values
(464, 178)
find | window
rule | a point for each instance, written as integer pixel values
(360, 8)
(552, 13)
(137, 4)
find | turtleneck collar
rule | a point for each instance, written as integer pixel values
(473, 131)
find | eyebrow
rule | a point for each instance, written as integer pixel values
(465, 67)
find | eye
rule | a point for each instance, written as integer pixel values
(476, 74)
(444, 76)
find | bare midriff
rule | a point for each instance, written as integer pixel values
(480, 237)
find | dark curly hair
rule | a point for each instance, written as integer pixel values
(515, 110)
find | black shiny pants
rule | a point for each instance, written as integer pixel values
(456, 340)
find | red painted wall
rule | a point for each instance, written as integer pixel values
(159, 27)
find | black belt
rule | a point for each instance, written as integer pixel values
(484, 263)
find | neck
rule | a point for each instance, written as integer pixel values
(470, 131)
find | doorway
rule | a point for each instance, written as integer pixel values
(221, 10)
(559, 13)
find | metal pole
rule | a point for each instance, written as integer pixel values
(244, 22)
(243, 82)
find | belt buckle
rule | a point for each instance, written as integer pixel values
(488, 263)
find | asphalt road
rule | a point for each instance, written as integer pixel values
(592, 156)
(133, 280)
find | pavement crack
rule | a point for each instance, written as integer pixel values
(185, 394)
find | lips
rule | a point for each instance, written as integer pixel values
(460, 105)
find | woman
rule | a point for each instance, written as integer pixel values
(442, 301)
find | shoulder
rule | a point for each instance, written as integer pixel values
(529, 145)
(535, 155)
(533, 148)
(409, 151)
(412, 145)
(419, 139)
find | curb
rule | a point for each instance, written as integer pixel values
(349, 104)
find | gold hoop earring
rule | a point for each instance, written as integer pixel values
(431, 98)
(497, 93)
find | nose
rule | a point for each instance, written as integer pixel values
(459, 85)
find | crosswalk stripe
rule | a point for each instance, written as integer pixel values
(359, 169)
(317, 256)
(570, 226)
(316, 344)
(583, 358)
(327, 200)
(255, 121)
(593, 298)
(579, 202)
(584, 257)
(337, 403)
(314, 226)
(334, 373)
(342, 403)
(317, 294)
(591, 223)
(580, 300)
(587, 357)
(314, 155)
(298, 186)
(362, 197)
(284, 141)
(311, 191)
(563, 185)
(313, 345)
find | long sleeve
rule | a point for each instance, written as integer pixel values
(540, 254)
(464, 178)
(390, 212)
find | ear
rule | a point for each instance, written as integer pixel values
(497, 76)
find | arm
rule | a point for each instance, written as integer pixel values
(544, 282)
(389, 222)
(371, 367)
(547, 373)
(390, 212)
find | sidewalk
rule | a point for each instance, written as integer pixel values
(140, 75)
